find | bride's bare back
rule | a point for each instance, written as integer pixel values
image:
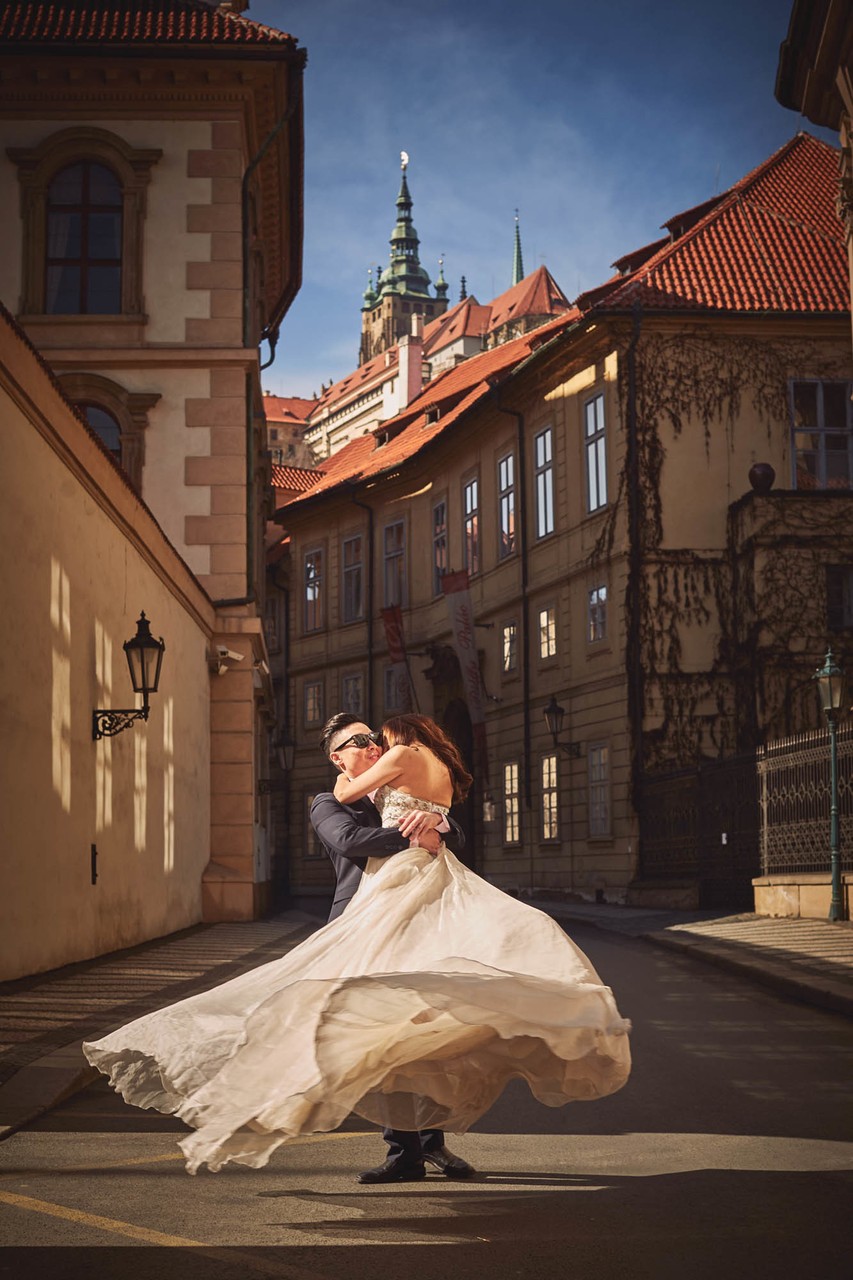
(421, 773)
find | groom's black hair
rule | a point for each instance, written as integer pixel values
(334, 725)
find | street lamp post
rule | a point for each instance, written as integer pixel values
(830, 683)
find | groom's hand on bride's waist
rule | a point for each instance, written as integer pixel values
(421, 829)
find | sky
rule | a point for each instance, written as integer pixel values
(596, 121)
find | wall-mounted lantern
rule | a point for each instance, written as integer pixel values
(285, 750)
(830, 685)
(144, 659)
(490, 809)
(554, 715)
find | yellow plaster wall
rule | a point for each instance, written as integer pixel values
(88, 557)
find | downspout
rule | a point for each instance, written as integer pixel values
(371, 537)
(636, 695)
(525, 578)
(251, 595)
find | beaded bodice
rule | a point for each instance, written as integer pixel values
(394, 805)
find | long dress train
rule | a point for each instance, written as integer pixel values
(413, 1010)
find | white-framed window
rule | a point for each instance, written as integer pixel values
(596, 615)
(598, 763)
(543, 462)
(509, 648)
(512, 806)
(596, 453)
(352, 562)
(313, 612)
(471, 524)
(506, 506)
(822, 427)
(394, 549)
(396, 687)
(352, 692)
(313, 702)
(548, 632)
(550, 800)
(439, 545)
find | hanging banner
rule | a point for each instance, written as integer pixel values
(403, 693)
(455, 588)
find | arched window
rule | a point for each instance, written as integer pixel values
(82, 273)
(118, 416)
(83, 214)
(105, 426)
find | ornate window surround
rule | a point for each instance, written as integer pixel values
(129, 408)
(36, 168)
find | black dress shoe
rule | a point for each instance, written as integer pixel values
(449, 1164)
(394, 1171)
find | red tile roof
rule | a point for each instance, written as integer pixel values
(452, 394)
(772, 242)
(297, 478)
(288, 408)
(130, 22)
(536, 295)
(468, 319)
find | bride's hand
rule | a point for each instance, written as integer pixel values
(418, 821)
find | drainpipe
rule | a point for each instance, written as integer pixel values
(371, 538)
(251, 595)
(635, 565)
(525, 574)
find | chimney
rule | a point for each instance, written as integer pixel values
(411, 371)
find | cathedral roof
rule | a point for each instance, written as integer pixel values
(132, 22)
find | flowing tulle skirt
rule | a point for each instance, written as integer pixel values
(413, 1009)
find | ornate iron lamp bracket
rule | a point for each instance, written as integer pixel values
(106, 724)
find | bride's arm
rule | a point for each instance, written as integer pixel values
(388, 768)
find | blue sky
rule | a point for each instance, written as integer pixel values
(597, 121)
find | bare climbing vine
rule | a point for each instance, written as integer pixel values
(764, 595)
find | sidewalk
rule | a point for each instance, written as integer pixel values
(807, 960)
(43, 1020)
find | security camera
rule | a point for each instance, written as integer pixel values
(224, 653)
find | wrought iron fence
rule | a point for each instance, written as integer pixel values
(794, 798)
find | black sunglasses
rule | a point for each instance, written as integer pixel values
(361, 740)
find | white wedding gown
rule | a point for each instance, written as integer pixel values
(413, 1009)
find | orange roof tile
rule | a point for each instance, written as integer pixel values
(294, 477)
(772, 242)
(130, 22)
(536, 295)
(453, 393)
(287, 408)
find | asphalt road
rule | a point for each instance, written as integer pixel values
(729, 1154)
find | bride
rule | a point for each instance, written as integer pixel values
(413, 1010)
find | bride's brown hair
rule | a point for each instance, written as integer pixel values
(410, 729)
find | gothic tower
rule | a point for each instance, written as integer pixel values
(402, 290)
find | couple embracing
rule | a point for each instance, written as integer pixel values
(428, 990)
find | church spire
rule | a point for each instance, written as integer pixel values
(441, 285)
(404, 274)
(517, 263)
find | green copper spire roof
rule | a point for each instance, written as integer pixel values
(517, 262)
(404, 274)
(441, 285)
(370, 295)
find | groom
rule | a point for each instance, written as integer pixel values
(351, 834)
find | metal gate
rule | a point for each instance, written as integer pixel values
(703, 824)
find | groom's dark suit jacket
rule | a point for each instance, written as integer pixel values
(352, 833)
